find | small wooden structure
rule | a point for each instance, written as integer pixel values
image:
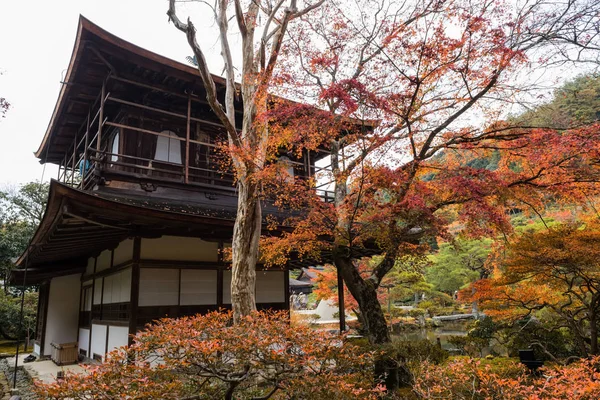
(65, 353)
(527, 358)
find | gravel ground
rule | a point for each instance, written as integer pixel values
(24, 383)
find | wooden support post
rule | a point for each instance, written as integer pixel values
(135, 288)
(187, 139)
(89, 354)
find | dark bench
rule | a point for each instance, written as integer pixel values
(527, 358)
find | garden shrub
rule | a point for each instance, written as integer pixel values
(206, 357)
(465, 378)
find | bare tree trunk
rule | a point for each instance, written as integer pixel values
(246, 235)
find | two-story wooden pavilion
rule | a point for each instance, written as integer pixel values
(141, 211)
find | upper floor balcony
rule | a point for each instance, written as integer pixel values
(128, 118)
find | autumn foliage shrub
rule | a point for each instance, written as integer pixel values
(206, 357)
(466, 378)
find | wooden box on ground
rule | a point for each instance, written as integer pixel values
(64, 353)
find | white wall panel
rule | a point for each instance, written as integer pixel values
(63, 311)
(98, 340)
(84, 339)
(198, 287)
(270, 287)
(159, 287)
(117, 337)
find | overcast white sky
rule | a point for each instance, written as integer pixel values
(37, 40)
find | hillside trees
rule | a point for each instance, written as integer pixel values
(262, 26)
(436, 76)
(458, 264)
(21, 210)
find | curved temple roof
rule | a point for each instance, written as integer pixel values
(78, 224)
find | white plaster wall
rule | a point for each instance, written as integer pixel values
(198, 287)
(84, 339)
(159, 287)
(103, 261)
(179, 249)
(98, 340)
(63, 311)
(123, 252)
(270, 287)
(117, 337)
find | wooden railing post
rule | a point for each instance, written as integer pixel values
(73, 161)
(85, 150)
(100, 119)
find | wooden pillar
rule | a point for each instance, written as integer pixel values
(135, 288)
(187, 139)
(89, 354)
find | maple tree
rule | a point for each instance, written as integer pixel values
(248, 139)
(437, 77)
(207, 357)
(557, 270)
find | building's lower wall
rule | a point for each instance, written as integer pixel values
(104, 339)
(180, 276)
(63, 311)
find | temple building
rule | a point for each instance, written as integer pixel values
(142, 208)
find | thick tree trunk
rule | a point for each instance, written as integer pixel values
(246, 235)
(387, 370)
